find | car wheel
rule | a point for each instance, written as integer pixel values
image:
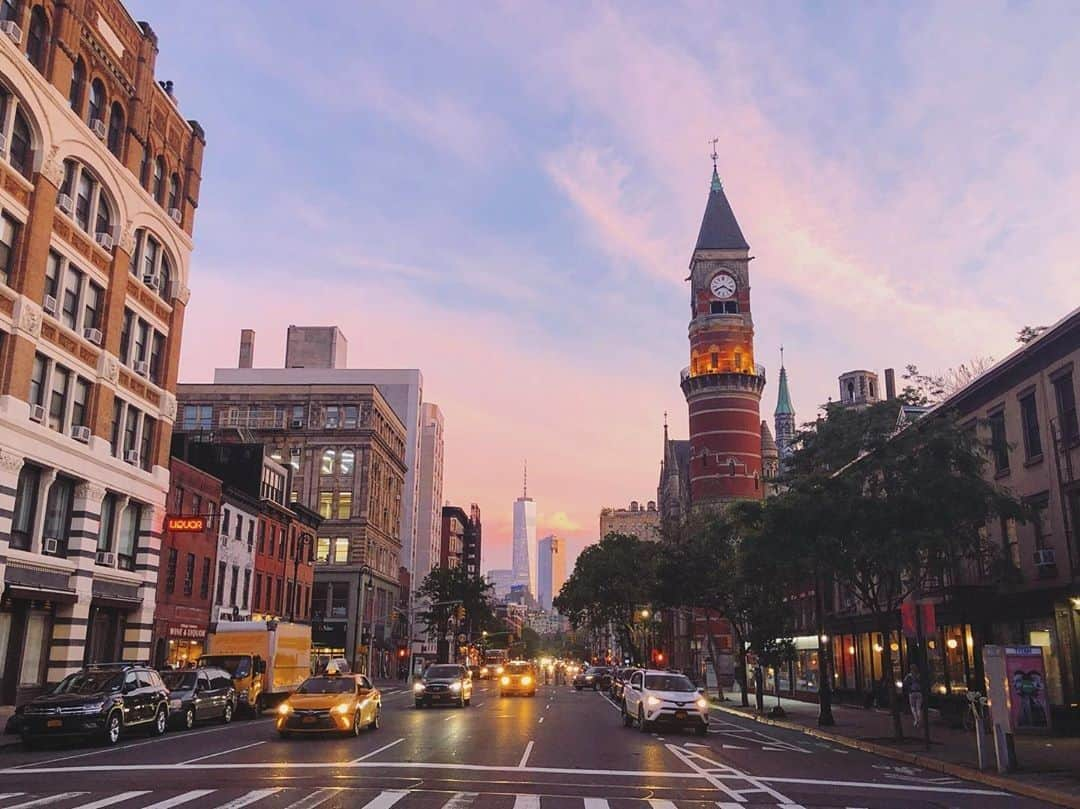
(461, 701)
(112, 728)
(189, 719)
(376, 721)
(356, 720)
(161, 722)
(702, 730)
(27, 742)
(227, 714)
(468, 702)
(643, 726)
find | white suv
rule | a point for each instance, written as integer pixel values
(653, 697)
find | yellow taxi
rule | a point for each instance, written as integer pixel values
(330, 703)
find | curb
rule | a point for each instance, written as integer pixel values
(926, 762)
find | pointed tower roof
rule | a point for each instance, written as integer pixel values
(783, 395)
(768, 445)
(719, 230)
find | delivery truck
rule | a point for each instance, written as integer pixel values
(267, 659)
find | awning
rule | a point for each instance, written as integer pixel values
(40, 594)
(120, 602)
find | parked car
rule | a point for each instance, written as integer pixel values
(196, 695)
(654, 697)
(518, 677)
(618, 681)
(330, 703)
(104, 701)
(598, 678)
(443, 683)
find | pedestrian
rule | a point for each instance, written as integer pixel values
(913, 689)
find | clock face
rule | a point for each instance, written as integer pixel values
(722, 285)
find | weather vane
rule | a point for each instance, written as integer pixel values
(714, 155)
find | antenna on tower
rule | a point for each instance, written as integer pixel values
(781, 355)
(525, 481)
(715, 184)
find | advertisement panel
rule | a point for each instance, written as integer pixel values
(1025, 672)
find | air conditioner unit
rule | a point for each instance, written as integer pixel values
(93, 335)
(107, 558)
(98, 127)
(151, 281)
(65, 203)
(49, 304)
(224, 540)
(331, 424)
(37, 413)
(80, 433)
(131, 456)
(50, 545)
(297, 424)
(142, 367)
(176, 215)
(105, 240)
(1044, 557)
(12, 30)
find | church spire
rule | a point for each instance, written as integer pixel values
(783, 395)
(719, 229)
(784, 415)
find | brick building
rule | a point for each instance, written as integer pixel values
(452, 546)
(99, 181)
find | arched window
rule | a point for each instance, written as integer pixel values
(348, 461)
(731, 467)
(149, 260)
(103, 220)
(37, 38)
(20, 148)
(116, 129)
(95, 110)
(158, 188)
(84, 199)
(165, 278)
(144, 169)
(78, 84)
(328, 457)
(174, 191)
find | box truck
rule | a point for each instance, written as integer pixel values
(267, 659)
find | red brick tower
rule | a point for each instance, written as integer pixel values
(723, 385)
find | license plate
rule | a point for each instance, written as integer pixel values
(309, 720)
(680, 714)
(55, 723)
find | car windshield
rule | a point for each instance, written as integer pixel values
(89, 682)
(595, 671)
(238, 666)
(443, 672)
(327, 685)
(519, 668)
(178, 680)
(669, 682)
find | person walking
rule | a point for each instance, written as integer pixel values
(913, 689)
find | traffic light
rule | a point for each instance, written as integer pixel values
(401, 652)
(459, 612)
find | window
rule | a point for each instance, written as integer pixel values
(196, 503)
(158, 188)
(352, 416)
(326, 504)
(251, 534)
(198, 417)
(80, 401)
(322, 549)
(58, 508)
(20, 149)
(95, 111)
(129, 536)
(125, 337)
(37, 38)
(174, 191)
(294, 458)
(262, 536)
(332, 417)
(61, 381)
(9, 232)
(344, 505)
(116, 129)
(92, 306)
(117, 421)
(341, 549)
(273, 539)
(91, 201)
(1065, 397)
(281, 546)
(69, 308)
(233, 585)
(150, 259)
(256, 596)
(107, 523)
(328, 462)
(170, 571)
(247, 586)
(1041, 522)
(157, 356)
(999, 447)
(348, 460)
(25, 511)
(78, 84)
(9, 10)
(298, 416)
(239, 526)
(142, 337)
(1029, 422)
(37, 379)
(131, 430)
(204, 582)
(221, 568)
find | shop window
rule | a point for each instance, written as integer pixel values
(25, 511)
(339, 600)
(35, 650)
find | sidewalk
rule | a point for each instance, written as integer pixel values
(1049, 766)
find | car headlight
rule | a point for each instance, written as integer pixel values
(499, 670)
(483, 671)
(418, 687)
(342, 708)
(505, 681)
(175, 704)
(455, 687)
(588, 677)
(526, 680)
(652, 701)
(92, 708)
(284, 709)
(702, 703)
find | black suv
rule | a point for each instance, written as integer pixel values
(103, 701)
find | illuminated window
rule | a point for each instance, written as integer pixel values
(322, 549)
(344, 505)
(326, 504)
(341, 549)
(714, 360)
(348, 459)
(328, 457)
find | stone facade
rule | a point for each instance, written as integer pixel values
(640, 521)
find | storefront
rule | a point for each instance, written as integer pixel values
(27, 621)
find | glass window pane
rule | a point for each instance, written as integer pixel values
(341, 549)
(32, 672)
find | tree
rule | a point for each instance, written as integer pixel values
(454, 599)
(928, 389)
(1029, 333)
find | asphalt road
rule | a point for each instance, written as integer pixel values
(560, 750)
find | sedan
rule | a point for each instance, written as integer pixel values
(333, 703)
(196, 695)
(448, 683)
(598, 678)
(519, 677)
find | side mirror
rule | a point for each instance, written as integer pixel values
(129, 687)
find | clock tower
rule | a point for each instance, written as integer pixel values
(723, 384)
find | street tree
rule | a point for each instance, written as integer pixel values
(451, 599)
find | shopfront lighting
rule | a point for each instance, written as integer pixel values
(824, 638)
(878, 647)
(952, 643)
(894, 646)
(851, 650)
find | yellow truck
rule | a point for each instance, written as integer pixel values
(267, 659)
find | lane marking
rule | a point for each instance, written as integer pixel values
(461, 800)
(176, 800)
(251, 797)
(526, 754)
(5, 795)
(63, 796)
(657, 803)
(597, 803)
(377, 751)
(314, 799)
(715, 770)
(527, 802)
(221, 753)
(384, 800)
(123, 796)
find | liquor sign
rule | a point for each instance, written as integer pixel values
(185, 525)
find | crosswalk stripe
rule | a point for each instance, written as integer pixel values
(595, 803)
(384, 800)
(251, 797)
(527, 802)
(176, 800)
(316, 798)
(461, 800)
(109, 801)
(729, 805)
(62, 796)
(657, 803)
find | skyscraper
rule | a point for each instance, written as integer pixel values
(552, 572)
(524, 557)
(430, 503)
